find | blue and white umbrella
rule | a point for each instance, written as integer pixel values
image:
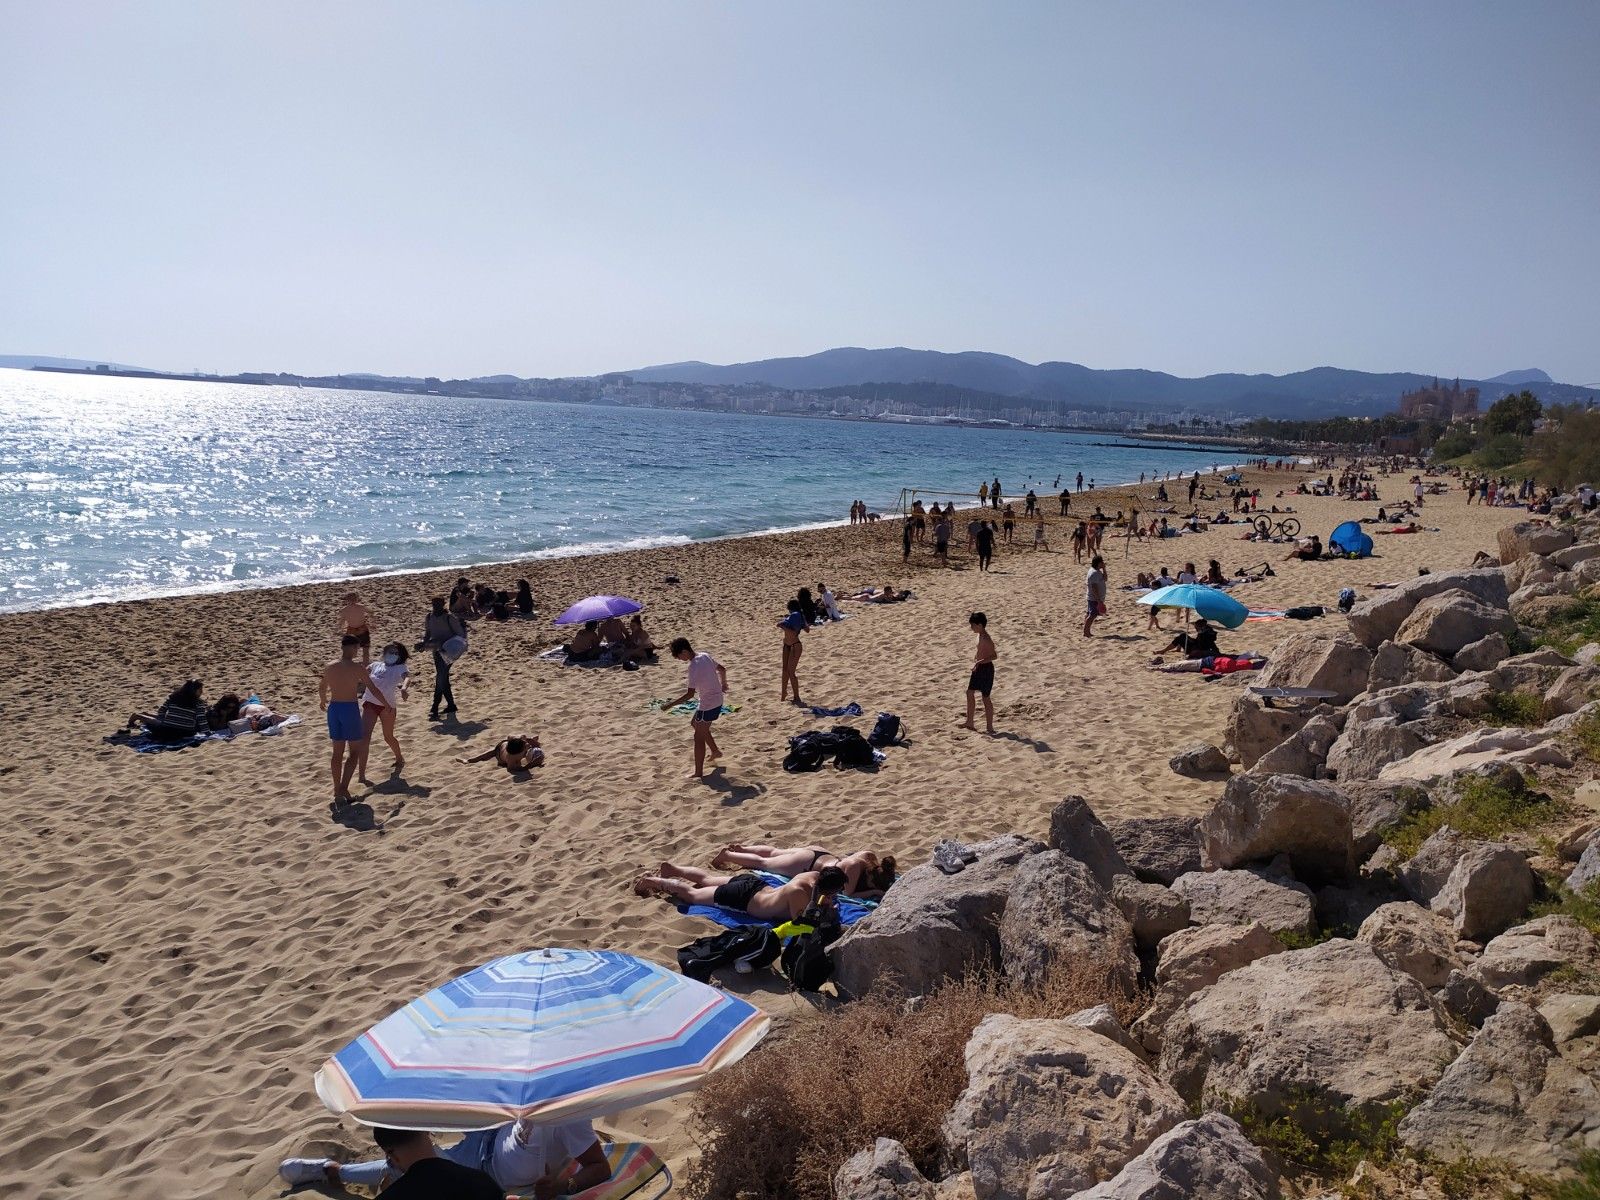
(1211, 603)
(550, 1035)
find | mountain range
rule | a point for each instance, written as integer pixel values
(1320, 391)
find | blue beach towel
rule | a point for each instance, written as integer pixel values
(849, 710)
(851, 910)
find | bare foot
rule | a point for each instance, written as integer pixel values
(969, 725)
(648, 887)
(667, 871)
(363, 779)
(399, 765)
(696, 777)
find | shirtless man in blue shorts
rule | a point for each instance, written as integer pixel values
(339, 691)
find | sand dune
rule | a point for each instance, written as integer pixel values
(187, 935)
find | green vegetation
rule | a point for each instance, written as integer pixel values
(1314, 1137)
(1588, 737)
(1585, 1186)
(1482, 808)
(1295, 940)
(1575, 628)
(1582, 906)
(1514, 708)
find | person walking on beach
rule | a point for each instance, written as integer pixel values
(1080, 481)
(985, 543)
(441, 628)
(386, 687)
(983, 494)
(1066, 501)
(941, 539)
(981, 681)
(792, 625)
(994, 492)
(339, 692)
(707, 684)
(1009, 524)
(905, 541)
(355, 620)
(1095, 594)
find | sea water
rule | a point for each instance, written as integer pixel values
(114, 488)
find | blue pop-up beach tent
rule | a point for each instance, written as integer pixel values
(1350, 540)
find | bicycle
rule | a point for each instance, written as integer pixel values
(1286, 528)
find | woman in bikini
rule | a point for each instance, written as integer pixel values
(514, 754)
(743, 893)
(868, 875)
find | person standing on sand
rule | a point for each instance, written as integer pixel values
(708, 684)
(386, 687)
(441, 627)
(355, 620)
(994, 492)
(983, 494)
(339, 692)
(1095, 594)
(792, 625)
(985, 543)
(941, 539)
(905, 541)
(981, 681)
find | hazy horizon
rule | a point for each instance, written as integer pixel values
(549, 191)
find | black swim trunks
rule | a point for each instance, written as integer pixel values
(982, 680)
(738, 892)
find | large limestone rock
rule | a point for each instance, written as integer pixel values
(1057, 913)
(1573, 555)
(883, 1172)
(1075, 830)
(1539, 604)
(1377, 620)
(1488, 889)
(1260, 817)
(1571, 1016)
(1196, 958)
(1303, 753)
(1526, 953)
(1051, 1109)
(1423, 875)
(1377, 807)
(1346, 906)
(1152, 910)
(1467, 1000)
(1414, 940)
(1333, 1019)
(1239, 897)
(1200, 761)
(1531, 537)
(1396, 663)
(1254, 728)
(1474, 750)
(1100, 1019)
(1158, 849)
(1365, 748)
(1206, 1159)
(1449, 621)
(1482, 655)
(1309, 660)
(1588, 869)
(1573, 688)
(1509, 1097)
(933, 927)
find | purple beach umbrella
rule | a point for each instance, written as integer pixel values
(598, 608)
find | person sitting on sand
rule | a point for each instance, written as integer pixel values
(182, 716)
(524, 599)
(1307, 550)
(1202, 643)
(585, 644)
(867, 875)
(1214, 575)
(637, 645)
(613, 633)
(519, 1156)
(745, 892)
(827, 603)
(356, 621)
(808, 605)
(514, 754)
(224, 712)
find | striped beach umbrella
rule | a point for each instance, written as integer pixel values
(550, 1035)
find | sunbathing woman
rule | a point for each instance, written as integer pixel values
(514, 754)
(744, 893)
(868, 875)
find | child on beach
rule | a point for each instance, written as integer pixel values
(355, 621)
(981, 681)
(1095, 594)
(339, 692)
(707, 685)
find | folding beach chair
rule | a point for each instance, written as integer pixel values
(637, 1173)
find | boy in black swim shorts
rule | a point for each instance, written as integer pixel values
(981, 682)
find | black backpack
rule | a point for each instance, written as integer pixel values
(755, 945)
(887, 731)
(850, 749)
(804, 961)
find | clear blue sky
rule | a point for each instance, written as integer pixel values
(471, 188)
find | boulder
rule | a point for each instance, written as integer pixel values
(884, 1172)
(932, 927)
(1490, 887)
(1365, 748)
(1396, 663)
(1571, 1016)
(1196, 958)
(1377, 620)
(1467, 1000)
(1537, 607)
(1100, 1019)
(1569, 722)
(1483, 654)
(1309, 660)
(1158, 849)
(1057, 913)
(1588, 869)
(1200, 761)
(1260, 817)
(1531, 537)
(1520, 572)
(1526, 953)
(1572, 689)
(1509, 1097)
(1239, 897)
(1423, 875)
(1571, 844)
(1254, 728)
(1076, 831)
(1449, 621)
(1573, 555)
(1303, 753)
(1376, 808)
(1205, 1159)
(1413, 939)
(1342, 908)
(1332, 1019)
(1587, 654)
(1152, 910)
(1474, 750)
(1051, 1109)
(1586, 574)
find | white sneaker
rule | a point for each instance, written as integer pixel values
(295, 1171)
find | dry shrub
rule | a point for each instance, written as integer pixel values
(780, 1123)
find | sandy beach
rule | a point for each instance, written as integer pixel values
(187, 935)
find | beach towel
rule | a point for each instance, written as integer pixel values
(849, 710)
(143, 743)
(1229, 664)
(559, 656)
(1266, 614)
(636, 1171)
(851, 910)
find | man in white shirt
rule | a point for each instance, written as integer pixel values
(829, 604)
(708, 683)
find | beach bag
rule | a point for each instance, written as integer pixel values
(886, 732)
(754, 946)
(805, 752)
(804, 961)
(850, 749)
